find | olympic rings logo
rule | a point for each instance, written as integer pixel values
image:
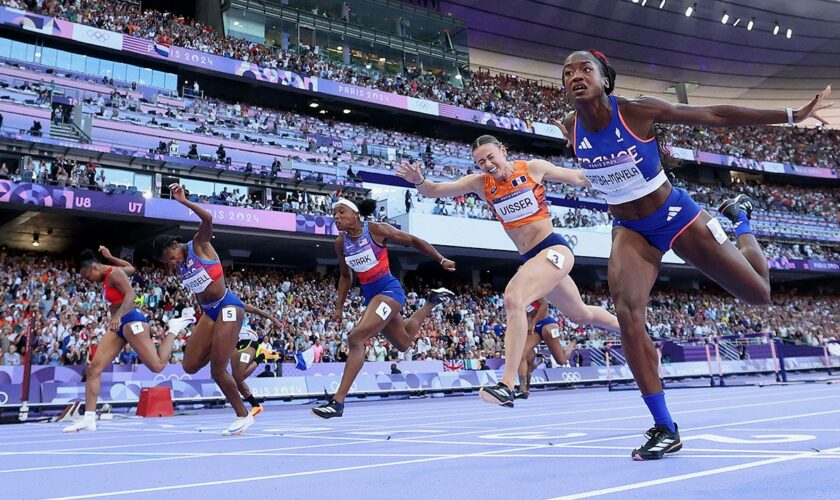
(98, 35)
(571, 377)
(572, 239)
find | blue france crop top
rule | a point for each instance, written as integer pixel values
(619, 164)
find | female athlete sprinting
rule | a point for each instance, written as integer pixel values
(214, 337)
(250, 352)
(127, 325)
(541, 328)
(614, 140)
(516, 194)
(361, 249)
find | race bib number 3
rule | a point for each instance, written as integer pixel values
(229, 314)
(556, 258)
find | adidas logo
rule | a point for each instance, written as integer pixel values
(672, 212)
(585, 144)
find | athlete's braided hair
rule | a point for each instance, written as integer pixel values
(606, 69)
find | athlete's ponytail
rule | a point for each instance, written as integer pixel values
(366, 207)
(665, 157)
(606, 69)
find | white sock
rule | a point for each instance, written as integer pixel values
(89, 415)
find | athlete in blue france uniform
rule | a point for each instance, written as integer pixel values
(614, 140)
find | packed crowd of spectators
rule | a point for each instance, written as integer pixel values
(69, 314)
(794, 145)
(501, 94)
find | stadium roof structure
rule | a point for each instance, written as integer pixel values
(653, 49)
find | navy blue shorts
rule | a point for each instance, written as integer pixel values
(132, 316)
(229, 299)
(549, 241)
(662, 227)
(543, 323)
(387, 285)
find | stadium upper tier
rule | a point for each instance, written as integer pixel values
(255, 140)
(781, 148)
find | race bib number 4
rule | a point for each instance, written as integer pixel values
(383, 311)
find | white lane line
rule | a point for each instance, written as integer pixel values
(646, 415)
(692, 475)
(280, 476)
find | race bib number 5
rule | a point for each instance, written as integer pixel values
(229, 314)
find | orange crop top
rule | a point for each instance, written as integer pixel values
(517, 201)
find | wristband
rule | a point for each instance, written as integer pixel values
(441, 260)
(421, 182)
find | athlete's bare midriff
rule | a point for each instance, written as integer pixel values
(529, 236)
(644, 206)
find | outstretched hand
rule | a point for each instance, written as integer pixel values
(817, 104)
(410, 172)
(178, 193)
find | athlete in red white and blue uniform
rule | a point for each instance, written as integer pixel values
(614, 139)
(361, 249)
(126, 326)
(541, 328)
(215, 335)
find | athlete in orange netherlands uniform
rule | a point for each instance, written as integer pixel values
(515, 192)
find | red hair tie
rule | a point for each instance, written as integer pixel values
(599, 55)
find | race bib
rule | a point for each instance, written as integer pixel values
(229, 314)
(198, 282)
(615, 175)
(136, 328)
(517, 205)
(383, 311)
(361, 262)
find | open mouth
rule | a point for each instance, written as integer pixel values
(578, 88)
(492, 169)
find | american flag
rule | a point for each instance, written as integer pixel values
(448, 110)
(453, 365)
(138, 45)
